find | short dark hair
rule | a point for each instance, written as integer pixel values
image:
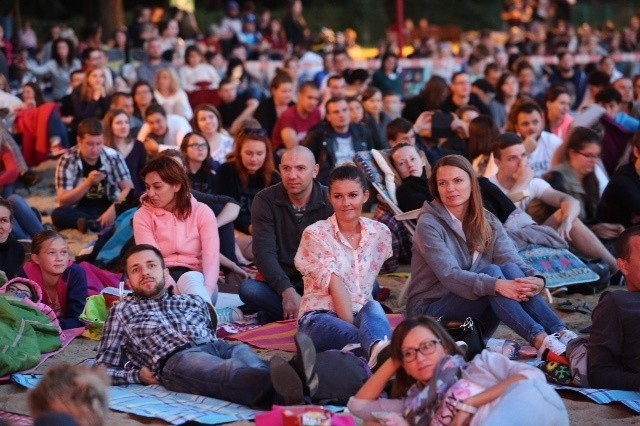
(504, 141)
(333, 100)
(279, 79)
(608, 95)
(623, 248)
(155, 109)
(116, 96)
(90, 126)
(398, 125)
(527, 108)
(335, 77)
(140, 248)
(598, 78)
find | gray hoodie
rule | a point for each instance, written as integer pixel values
(441, 262)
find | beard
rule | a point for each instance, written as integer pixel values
(152, 292)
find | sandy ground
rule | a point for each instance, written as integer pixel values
(13, 398)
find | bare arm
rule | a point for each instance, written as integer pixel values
(289, 137)
(72, 196)
(228, 214)
(374, 387)
(252, 105)
(341, 299)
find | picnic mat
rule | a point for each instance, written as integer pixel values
(560, 267)
(15, 419)
(66, 338)
(279, 335)
(157, 402)
(606, 396)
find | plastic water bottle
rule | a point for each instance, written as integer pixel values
(506, 347)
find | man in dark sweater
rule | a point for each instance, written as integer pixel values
(279, 214)
(614, 344)
(461, 95)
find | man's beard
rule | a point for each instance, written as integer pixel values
(153, 293)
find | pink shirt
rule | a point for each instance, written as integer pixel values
(324, 251)
(562, 130)
(192, 243)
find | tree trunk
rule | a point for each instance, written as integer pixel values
(110, 17)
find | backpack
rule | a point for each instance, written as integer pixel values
(340, 376)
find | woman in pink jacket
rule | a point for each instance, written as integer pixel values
(183, 229)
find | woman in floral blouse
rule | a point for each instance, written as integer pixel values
(339, 259)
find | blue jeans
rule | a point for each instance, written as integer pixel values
(257, 295)
(327, 331)
(528, 319)
(67, 217)
(25, 223)
(220, 370)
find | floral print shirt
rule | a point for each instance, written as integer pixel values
(324, 251)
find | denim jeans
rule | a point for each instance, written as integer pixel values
(220, 370)
(327, 331)
(527, 396)
(25, 223)
(527, 319)
(259, 296)
(67, 217)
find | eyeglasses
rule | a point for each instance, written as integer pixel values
(427, 347)
(589, 156)
(198, 146)
(261, 133)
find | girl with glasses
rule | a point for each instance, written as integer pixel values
(198, 162)
(434, 385)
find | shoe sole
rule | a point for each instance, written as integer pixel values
(286, 382)
(306, 361)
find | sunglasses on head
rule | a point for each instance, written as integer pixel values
(262, 133)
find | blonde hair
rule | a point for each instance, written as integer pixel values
(174, 82)
(79, 391)
(86, 91)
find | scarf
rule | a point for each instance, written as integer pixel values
(422, 402)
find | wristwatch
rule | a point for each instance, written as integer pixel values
(461, 406)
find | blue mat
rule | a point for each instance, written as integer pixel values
(560, 267)
(157, 402)
(605, 396)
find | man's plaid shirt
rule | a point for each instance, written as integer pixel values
(69, 171)
(143, 332)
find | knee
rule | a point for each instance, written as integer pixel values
(511, 271)
(373, 307)
(190, 282)
(249, 290)
(493, 270)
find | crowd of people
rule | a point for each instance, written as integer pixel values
(191, 169)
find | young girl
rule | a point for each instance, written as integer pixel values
(434, 385)
(198, 162)
(207, 120)
(63, 283)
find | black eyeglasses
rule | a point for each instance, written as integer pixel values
(427, 347)
(261, 133)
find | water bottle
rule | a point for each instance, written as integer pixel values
(506, 347)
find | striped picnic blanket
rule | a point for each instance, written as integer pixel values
(606, 396)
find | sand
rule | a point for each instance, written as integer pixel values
(13, 398)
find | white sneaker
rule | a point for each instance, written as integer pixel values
(229, 314)
(378, 351)
(565, 336)
(553, 343)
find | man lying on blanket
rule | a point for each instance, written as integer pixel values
(156, 337)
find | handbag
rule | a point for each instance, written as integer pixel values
(468, 331)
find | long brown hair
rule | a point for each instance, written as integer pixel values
(403, 381)
(107, 123)
(172, 173)
(475, 225)
(482, 133)
(253, 132)
(85, 91)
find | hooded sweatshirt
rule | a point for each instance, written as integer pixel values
(442, 263)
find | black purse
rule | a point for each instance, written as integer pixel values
(469, 331)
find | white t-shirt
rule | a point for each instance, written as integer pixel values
(536, 188)
(540, 158)
(344, 150)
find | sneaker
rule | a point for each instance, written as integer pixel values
(565, 336)
(380, 352)
(229, 314)
(552, 343)
(286, 382)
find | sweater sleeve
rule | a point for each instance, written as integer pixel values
(10, 173)
(143, 229)
(208, 231)
(605, 346)
(76, 297)
(315, 260)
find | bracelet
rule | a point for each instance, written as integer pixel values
(461, 406)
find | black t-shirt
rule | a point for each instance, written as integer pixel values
(229, 112)
(203, 180)
(97, 194)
